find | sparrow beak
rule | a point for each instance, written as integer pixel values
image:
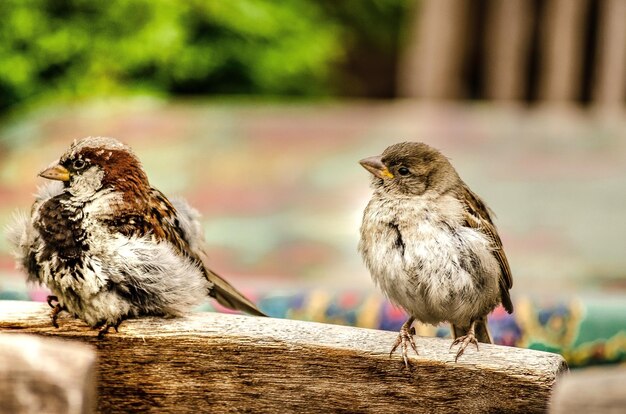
(376, 167)
(56, 172)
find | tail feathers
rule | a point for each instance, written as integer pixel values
(506, 299)
(480, 331)
(227, 295)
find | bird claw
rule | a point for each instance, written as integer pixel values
(464, 341)
(405, 338)
(105, 328)
(103, 331)
(50, 299)
(56, 309)
(54, 314)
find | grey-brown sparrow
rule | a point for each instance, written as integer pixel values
(110, 246)
(430, 244)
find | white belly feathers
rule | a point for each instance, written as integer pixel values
(433, 270)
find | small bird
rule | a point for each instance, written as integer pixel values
(430, 244)
(111, 247)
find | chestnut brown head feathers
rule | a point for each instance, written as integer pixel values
(93, 164)
(109, 246)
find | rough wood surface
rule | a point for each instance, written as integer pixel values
(593, 390)
(228, 363)
(44, 375)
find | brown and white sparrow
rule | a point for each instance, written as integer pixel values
(111, 247)
(430, 244)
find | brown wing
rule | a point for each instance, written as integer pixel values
(165, 224)
(477, 216)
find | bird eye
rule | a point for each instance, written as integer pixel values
(78, 164)
(403, 171)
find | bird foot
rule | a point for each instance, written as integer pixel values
(105, 328)
(405, 338)
(54, 314)
(464, 341)
(50, 299)
(56, 309)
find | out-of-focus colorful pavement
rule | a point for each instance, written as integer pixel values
(281, 194)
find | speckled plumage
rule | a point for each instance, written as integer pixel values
(430, 244)
(111, 247)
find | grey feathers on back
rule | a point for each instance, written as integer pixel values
(189, 223)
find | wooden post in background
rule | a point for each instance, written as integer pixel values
(431, 63)
(561, 54)
(609, 84)
(507, 48)
(224, 363)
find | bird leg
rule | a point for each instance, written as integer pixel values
(50, 299)
(106, 326)
(56, 309)
(465, 340)
(405, 337)
(54, 314)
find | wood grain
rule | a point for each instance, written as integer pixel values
(225, 363)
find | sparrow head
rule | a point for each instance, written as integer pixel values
(411, 169)
(95, 163)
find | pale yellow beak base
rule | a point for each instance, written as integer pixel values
(376, 167)
(56, 172)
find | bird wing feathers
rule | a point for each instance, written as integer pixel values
(477, 216)
(180, 226)
(22, 235)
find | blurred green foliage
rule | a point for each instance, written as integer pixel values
(81, 48)
(372, 34)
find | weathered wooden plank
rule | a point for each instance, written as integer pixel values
(48, 375)
(594, 390)
(224, 363)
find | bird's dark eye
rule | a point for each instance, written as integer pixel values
(403, 171)
(78, 164)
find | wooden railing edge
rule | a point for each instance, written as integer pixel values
(240, 363)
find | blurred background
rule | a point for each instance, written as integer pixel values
(257, 112)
